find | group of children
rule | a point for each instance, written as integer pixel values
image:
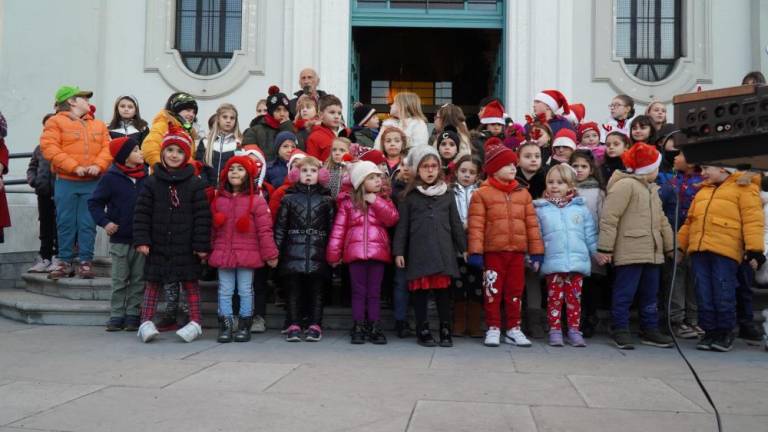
(483, 220)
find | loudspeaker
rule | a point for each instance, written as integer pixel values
(726, 126)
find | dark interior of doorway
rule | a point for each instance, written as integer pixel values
(467, 58)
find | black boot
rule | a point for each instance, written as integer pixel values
(225, 329)
(446, 340)
(243, 333)
(375, 335)
(358, 334)
(424, 336)
(403, 329)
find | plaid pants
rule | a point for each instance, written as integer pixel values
(152, 293)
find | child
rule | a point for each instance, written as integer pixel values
(336, 165)
(589, 186)
(127, 121)
(448, 147)
(568, 230)
(293, 176)
(641, 130)
(622, 111)
(451, 116)
(277, 170)
(172, 229)
(41, 179)
(277, 119)
(589, 140)
(493, 119)
(530, 172)
(392, 144)
(541, 135)
(323, 135)
(428, 238)
(616, 143)
(677, 191)
(550, 104)
(563, 147)
(242, 241)
(306, 119)
(261, 108)
(366, 127)
(222, 142)
(303, 224)
(406, 114)
(635, 236)
(657, 111)
(467, 289)
(725, 223)
(77, 145)
(112, 207)
(502, 229)
(359, 238)
(181, 112)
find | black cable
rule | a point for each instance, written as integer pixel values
(669, 301)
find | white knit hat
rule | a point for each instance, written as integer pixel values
(416, 154)
(358, 171)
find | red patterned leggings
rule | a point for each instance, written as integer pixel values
(152, 293)
(566, 285)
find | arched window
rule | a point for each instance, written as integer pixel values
(648, 36)
(207, 33)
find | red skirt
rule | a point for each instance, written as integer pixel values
(435, 281)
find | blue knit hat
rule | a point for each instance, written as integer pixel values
(284, 136)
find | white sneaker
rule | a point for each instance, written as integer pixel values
(54, 263)
(259, 324)
(515, 336)
(190, 332)
(40, 266)
(492, 336)
(147, 331)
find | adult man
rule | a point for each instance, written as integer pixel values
(308, 81)
(77, 146)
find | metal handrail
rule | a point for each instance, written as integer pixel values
(18, 182)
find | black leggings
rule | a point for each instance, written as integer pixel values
(299, 287)
(468, 287)
(421, 300)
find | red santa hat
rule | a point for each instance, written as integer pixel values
(375, 156)
(586, 127)
(554, 100)
(243, 223)
(578, 112)
(565, 138)
(641, 158)
(295, 156)
(497, 156)
(493, 114)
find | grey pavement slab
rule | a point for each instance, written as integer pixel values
(243, 377)
(474, 356)
(637, 393)
(731, 397)
(23, 398)
(440, 416)
(574, 419)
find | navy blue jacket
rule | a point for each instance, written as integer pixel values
(114, 201)
(277, 171)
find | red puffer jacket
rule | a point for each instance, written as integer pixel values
(249, 249)
(359, 235)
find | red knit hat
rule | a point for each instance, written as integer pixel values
(641, 158)
(493, 113)
(586, 127)
(565, 138)
(375, 156)
(121, 148)
(244, 221)
(553, 99)
(178, 137)
(578, 112)
(497, 156)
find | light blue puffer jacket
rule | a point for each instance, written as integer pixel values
(569, 234)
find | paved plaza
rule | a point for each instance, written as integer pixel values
(57, 378)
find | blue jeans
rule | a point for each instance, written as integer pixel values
(73, 220)
(400, 294)
(242, 279)
(744, 312)
(716, 285)
(640, 279)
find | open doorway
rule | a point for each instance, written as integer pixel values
(445, 65)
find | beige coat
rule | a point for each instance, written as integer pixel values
(632, 225)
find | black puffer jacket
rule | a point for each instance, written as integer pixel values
(39, 174)
(172, 234)
(303, 225)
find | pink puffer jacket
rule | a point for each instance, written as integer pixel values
(361, 236)
(250, 249)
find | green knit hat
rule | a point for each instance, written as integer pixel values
(66, 92)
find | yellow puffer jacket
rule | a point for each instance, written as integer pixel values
(725, 219)
(150, 148)
(69, 142)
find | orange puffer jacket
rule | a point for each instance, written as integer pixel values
(726, 219)
(503, 222)
(69, 142)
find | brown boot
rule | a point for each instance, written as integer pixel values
(459, 318)
(475, 320)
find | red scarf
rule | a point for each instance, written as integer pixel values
(271, 121)
(561, 201)
(136, 172)
(504, 187)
